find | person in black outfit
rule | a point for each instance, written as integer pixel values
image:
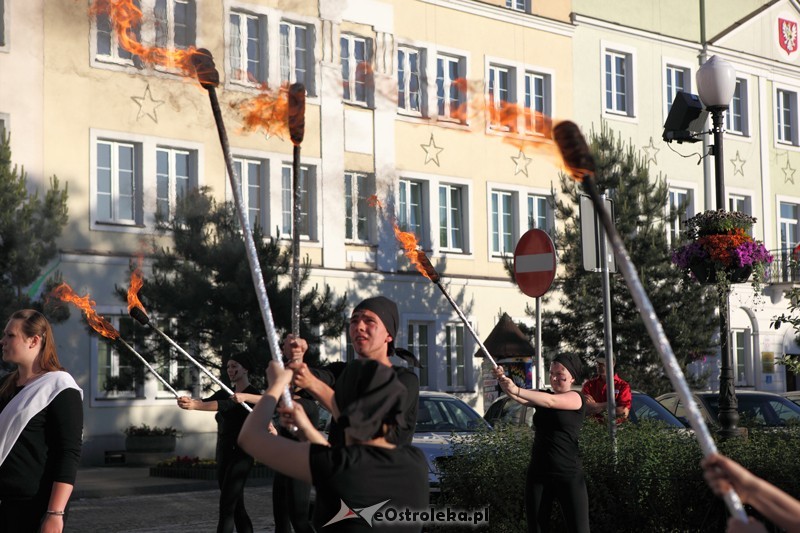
(41, 421)
(555, 471)
(373, 328)
(233, 464)
(291, 498)
(368, 473)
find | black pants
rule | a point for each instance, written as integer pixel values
(233, 467)
(570, 491)
(291, 504)
(24, 515)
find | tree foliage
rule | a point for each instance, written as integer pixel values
(201, 292)
(29, 227)
(686, 309)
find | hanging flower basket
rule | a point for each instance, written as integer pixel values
(721, 251)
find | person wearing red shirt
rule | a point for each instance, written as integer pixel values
(596, 396)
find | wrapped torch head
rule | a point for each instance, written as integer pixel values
(297, 112)
(574, 149)
(427, 266)
(138, 314)
(204, 67)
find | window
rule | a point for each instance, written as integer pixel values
(517, 5)
(418, 343)
(252, 173)
(409, 76)
(355, 68)
(451, 217)
(176, 173)
(538, 212)
(118, 182)
(503, 241)
(786, 107)
(108, 47)
(117, 374)
(741, 203)
(740, 350)
(412, 209)
(297, 55)
(456, 364)
(678, 210)
(618, 83)
(307, 208)
(357, 189)
(677, 80)
(450, 88)
(3, 23)
(736, 115)
(537, 102)
(247, 50)
(788, 224)
(174, 23)
(500, 95)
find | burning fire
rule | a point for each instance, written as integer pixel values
(373, 202)
(65, 293)
(133, 290)
(269, 111)
(415, 255)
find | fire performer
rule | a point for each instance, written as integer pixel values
(41, 421)
(233, 463)
(555, 471)
(373, 328)
(364, 474)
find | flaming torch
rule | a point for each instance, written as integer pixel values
(208, 77)
(137, 312)
(580, 164)
(424, 266)
(297, 127)
(65, 293)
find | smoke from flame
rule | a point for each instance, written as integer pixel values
(133, 290)
(65, 293)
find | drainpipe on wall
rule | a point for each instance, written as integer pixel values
(709, 185)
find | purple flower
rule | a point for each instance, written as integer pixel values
(689, 254)
(751, 252)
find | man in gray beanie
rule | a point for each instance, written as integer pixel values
(373, 327)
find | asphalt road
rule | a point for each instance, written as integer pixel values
(180, 512)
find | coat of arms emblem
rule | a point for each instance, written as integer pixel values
(787, 35)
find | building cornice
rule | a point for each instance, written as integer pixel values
(583, 20)
(501, 14)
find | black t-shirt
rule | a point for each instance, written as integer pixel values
(404, 435)
(47, 450)
(555, 442)
(230, 415)
(361, 477)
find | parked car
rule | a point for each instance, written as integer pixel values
(793, 395)
(756, 408)
(441, 418)
(504, 410)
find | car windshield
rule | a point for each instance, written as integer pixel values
(443, 414)
(760, 410)
(646, 408)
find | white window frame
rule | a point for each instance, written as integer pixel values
(290, 61)
(537, 116)
(4, 32)
(503, 222)
(448, 208)
(673, 230)
(670, 68)
(309, 194)
(117, 217)
(5, 122)
(358, 208)
(741, 346)
(783, 226)
(351, 82)
(520, 210)
(261, 167)
(522, 6)
(495, 101)
(741, 93)
(548, 215)
(404, 105)
(242, 76)
(423, 345)
(452, 381)
(169, 40)
(784, 96)
(452, 109)
(628, 55)
(172, 175)
(116, 55)
(405, 206)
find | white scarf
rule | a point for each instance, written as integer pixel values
(33, 397)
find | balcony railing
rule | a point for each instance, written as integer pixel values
(784, 267)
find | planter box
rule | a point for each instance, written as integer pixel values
(204, 473)
(150, 443)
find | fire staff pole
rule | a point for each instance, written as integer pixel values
(119, 340)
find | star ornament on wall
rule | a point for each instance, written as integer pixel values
(738, 164)
(788, 172)
(521, 163)
(431, 151)
(147, 105)
(651, 152)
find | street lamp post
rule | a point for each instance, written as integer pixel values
(716, 82)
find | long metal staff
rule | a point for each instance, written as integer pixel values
(297, 126)
(579, 161)
(143, 319)
(208, 77)
(150, 368)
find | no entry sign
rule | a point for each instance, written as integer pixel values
(535, 263)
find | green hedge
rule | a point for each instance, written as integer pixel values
(655, 484)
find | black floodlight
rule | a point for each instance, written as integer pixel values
(686, 119)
